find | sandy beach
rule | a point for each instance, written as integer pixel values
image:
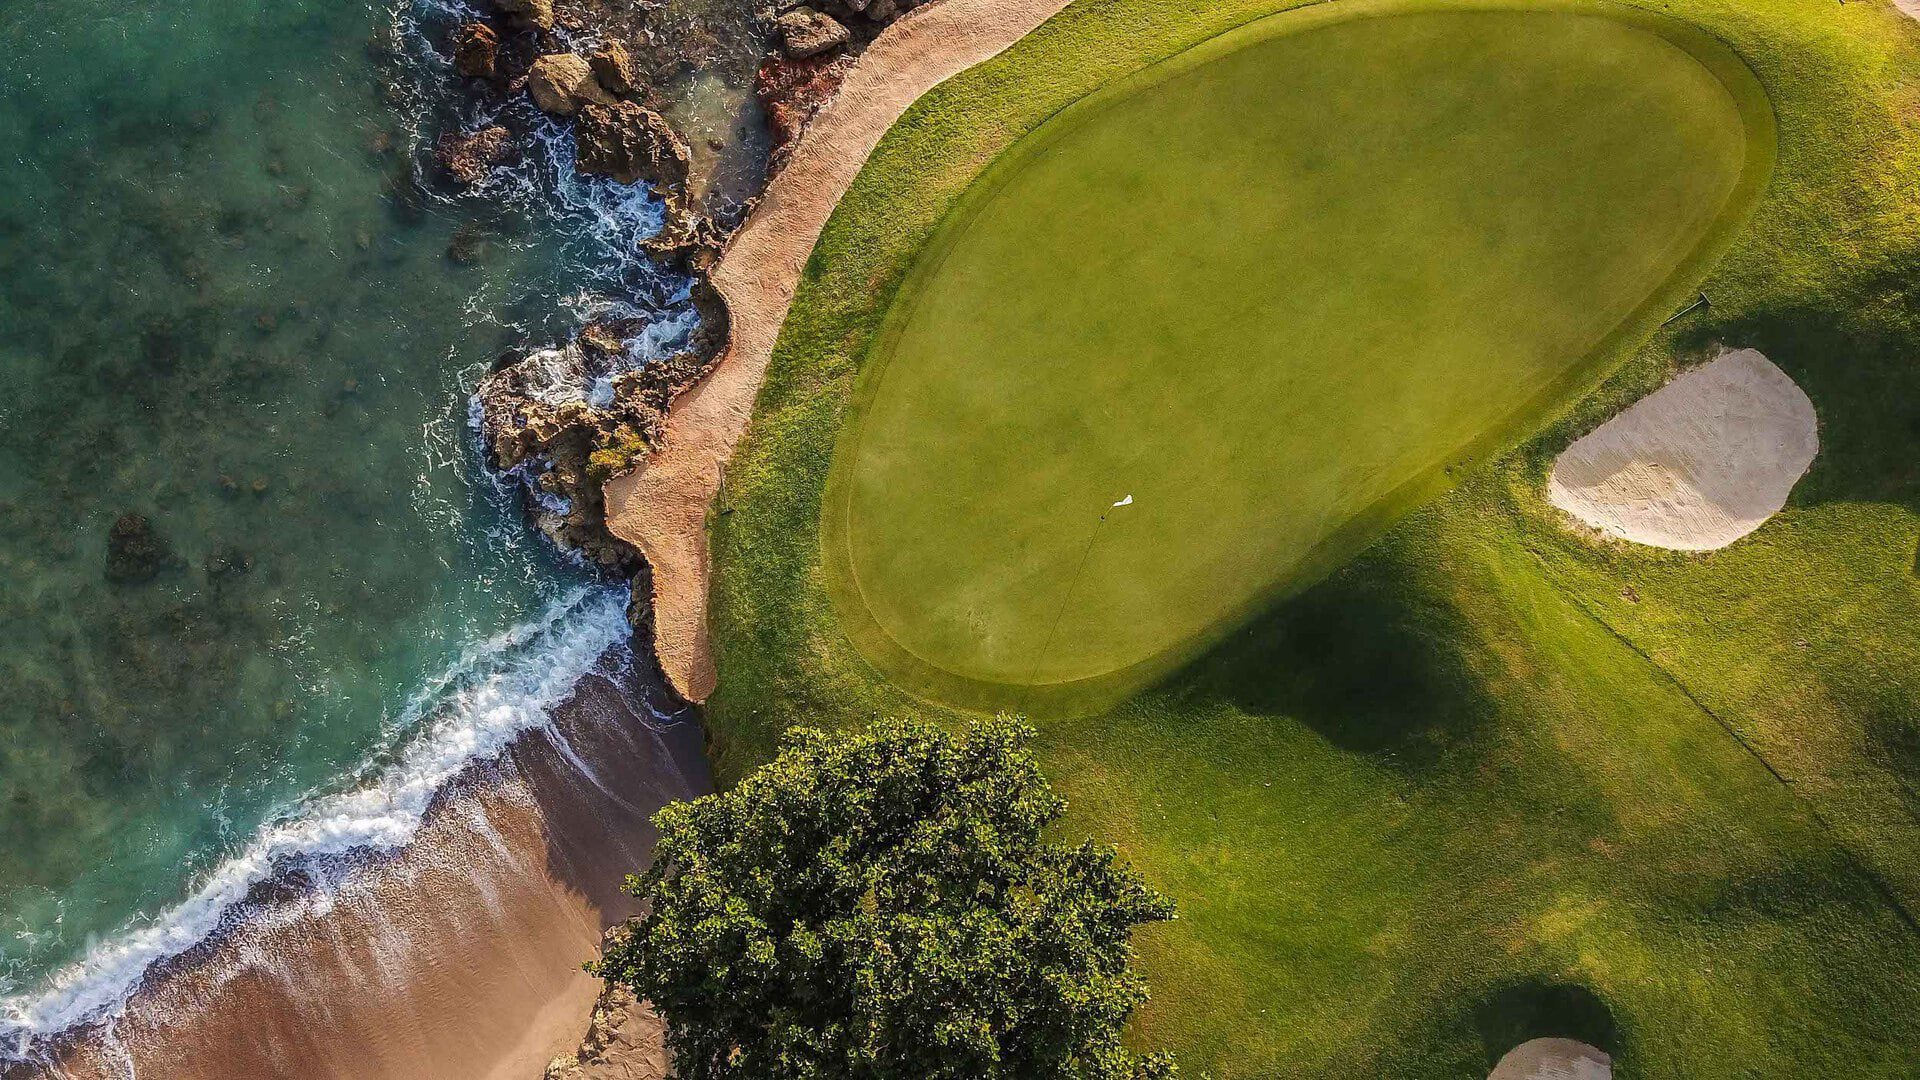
(457, 957)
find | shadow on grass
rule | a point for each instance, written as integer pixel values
(1539, 1008)
(1369, 659)
(1851, 349)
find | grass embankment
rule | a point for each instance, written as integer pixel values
(1469, 789)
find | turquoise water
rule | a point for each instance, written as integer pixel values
(227, 304)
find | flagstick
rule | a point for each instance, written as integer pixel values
(1046, 647)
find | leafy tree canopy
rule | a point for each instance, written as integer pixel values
(885, 904)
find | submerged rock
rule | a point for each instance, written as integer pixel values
(469, 155)
(561, 83)
(805, 32)
(630, 143)
(135, 551)
(476, 49)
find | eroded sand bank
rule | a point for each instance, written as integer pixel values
(1697, 464)
(661, 508)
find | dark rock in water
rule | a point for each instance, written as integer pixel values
(607, 339)
(227, 562)
(536, 14)
(476, 47)
(615, 69)
(469, 155)
(468, 245)
(135, 552)
(630, 143)
(790, 92)
(805, 32)
(561, 83)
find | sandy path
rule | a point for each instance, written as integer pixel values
(1696, 465)
(1553, 1059)
(661, 508)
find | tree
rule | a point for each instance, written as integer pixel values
(885, 905)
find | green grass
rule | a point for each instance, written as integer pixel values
(1467, 789)
(1279, 330)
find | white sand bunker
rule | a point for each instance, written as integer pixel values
(1697, 464)
(1554, 1059)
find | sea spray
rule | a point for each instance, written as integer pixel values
(497, 690)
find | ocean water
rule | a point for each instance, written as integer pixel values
(234, 301)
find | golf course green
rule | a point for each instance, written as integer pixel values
(1490, 779)
(1275, 327)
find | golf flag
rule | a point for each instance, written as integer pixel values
(1128, 501)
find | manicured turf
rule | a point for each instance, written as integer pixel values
(1277, 326)
(1490, 780)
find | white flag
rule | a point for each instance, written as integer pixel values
(1128, 501)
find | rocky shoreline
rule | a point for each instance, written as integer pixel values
(566, 420)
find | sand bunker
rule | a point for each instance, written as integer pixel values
(1553, 1059)
(661, 508)
(1696, 465)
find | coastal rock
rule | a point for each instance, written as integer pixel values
(476, 49)
(790, 92)
(561, 83)
(630, 143)
(615, 70)
(135, 551)
(536, 14)
(805, 32)
(537, 420)
(469, 155)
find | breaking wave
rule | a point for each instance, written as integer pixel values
(498, 689)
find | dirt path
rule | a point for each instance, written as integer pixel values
(1697, 464)
(661, 508)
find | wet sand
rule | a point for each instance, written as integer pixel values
(457, 958)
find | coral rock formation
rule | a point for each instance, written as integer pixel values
(468, 155)
(476, 49)
(630, 143)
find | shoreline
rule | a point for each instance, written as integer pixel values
(660, 507)
(458, 955)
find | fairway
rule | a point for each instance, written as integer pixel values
(1279, 290)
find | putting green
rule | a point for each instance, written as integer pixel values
(1276, 290)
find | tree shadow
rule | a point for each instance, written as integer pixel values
(1852, 348)
(1369, 658)
(1540, 1008)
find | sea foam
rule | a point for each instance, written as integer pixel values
(497, 690)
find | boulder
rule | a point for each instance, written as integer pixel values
(468, 155)
(805, 32)
(537, 14)
(615, 70)
(562, 82)
(135, 551)
(476, 47)
(631, 143)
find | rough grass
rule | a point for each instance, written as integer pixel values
(1467, 790)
